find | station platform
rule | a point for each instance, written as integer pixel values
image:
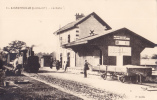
(74, 70)
(79, 70)
(132, 91)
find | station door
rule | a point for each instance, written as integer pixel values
(126, 60)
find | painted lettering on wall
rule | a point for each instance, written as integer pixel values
(122, 40)
(121, 37)
(117, 51)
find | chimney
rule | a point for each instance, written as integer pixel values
(78, 16)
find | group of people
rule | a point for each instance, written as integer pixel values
(18, 62)
(65, 66)
(58, 65)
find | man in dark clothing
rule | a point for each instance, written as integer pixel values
(85, 68)
(66, 65)
(57, 64)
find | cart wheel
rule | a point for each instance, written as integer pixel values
(111, 75)
(104, 76)
(122, 79)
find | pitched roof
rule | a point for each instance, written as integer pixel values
(75, 23)
(89, 38)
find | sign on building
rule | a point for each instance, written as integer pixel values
(119, 51)
(121, 37)
(122, 40)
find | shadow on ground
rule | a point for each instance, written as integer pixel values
(45, 71)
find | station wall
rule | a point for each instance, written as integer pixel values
(136, 43)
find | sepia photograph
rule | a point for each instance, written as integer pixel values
(78, 49)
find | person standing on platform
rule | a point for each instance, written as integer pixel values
(66, 65)
(86, 68)
(63, 67)
(57, 64)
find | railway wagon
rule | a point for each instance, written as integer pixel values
(133, 73)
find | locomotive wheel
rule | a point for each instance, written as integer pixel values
(104, 76)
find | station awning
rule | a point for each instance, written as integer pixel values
(86, 40)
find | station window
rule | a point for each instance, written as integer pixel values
(68, 38)
(77, 31)
(77, 34)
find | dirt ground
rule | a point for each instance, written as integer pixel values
(100, 89)
(32, 90)
(72, 86)
(37, 90)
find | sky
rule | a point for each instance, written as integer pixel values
(36, 26)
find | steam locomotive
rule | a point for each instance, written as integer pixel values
(30, 61)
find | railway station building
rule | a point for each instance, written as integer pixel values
(91, 38)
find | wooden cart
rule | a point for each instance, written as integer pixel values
(135, 74)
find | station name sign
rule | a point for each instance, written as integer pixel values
(122, 40)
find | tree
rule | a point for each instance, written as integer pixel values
(14, 46)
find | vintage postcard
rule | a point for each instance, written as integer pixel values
(78, 50)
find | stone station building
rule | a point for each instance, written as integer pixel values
(92, 39)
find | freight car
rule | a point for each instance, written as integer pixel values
(133, 73)
(30, 61)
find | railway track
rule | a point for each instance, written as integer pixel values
(78, 88)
